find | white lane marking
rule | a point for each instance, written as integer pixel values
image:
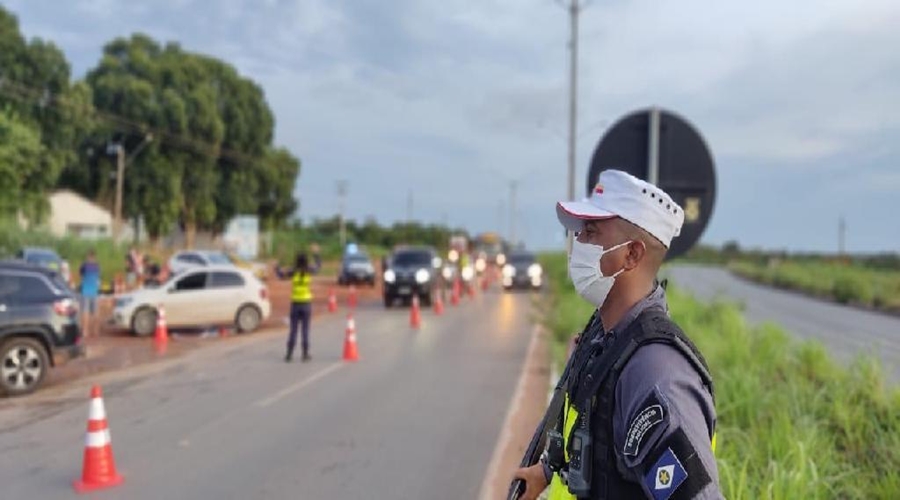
(299, 385)
(487, 487)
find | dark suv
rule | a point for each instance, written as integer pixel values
(38, 325)
(410, 272)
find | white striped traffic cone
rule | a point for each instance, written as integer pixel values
(99, 469)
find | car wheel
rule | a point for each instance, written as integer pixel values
(143, 323)
(248, 319)
(23, 365)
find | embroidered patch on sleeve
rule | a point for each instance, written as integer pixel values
(665, 476)
(651, 415)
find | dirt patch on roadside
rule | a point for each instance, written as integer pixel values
(117, 349)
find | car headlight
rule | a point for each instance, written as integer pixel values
(453, 256)
(422, 276)
(447, 273)
(535, 270)
(509, 271)
(468, 273)
(390, 276)
(436, 263)
(501, 259)
(480, 265)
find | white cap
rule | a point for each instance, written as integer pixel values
(619, 194)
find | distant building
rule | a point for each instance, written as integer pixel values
(74, 215)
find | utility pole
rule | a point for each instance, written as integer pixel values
(342, 192)
(121, 163)
(513, 185)
(574, 7)
(120, 185)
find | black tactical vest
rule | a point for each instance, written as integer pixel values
(598, 388)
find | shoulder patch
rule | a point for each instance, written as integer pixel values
(665, 476)
(652, 414)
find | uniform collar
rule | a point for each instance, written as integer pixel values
(655, 300)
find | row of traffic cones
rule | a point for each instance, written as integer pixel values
(352, 299)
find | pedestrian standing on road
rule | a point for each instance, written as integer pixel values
(90, 291)
(301, 302)
(639, 416)
(134, 267)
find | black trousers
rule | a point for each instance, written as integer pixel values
(301, 312)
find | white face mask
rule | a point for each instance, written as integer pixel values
(584, 269)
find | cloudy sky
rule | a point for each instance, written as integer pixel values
(451, 100)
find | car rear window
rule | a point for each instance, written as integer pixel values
(221, 279)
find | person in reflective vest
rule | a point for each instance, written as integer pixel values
(301, 304)
(639, 416)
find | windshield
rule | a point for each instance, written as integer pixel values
(356, 258)
(412, 259)
(521, 259)
(219, 258)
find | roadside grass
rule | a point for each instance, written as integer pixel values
(792, 422)
(844, 283)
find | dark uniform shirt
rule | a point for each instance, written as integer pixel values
(658, 374)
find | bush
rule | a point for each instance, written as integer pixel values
(852, 289)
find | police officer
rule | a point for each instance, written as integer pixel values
(639, 418)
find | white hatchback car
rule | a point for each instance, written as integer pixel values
(212, 295)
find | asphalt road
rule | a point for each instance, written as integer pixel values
(846, 331)
(417, 417)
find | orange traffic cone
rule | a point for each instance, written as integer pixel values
(470, 290)
(351, 299)
(484, 283)
(161, 336)
(350, 352)
(223, 331)
(415, 315)
(438, 305)
(454, 295)
(332, 301)
(99, 468)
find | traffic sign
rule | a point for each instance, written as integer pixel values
(666, 150)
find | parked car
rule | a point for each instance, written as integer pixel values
(201, 296)
(47, 258)
(522, 271)
(357, 268)
(39, 325)
(411, 272)
(187, 259)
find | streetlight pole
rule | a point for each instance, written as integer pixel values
(121, 163)
(574, 7)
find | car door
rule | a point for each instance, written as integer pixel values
(189, 302)
(9, 285)
(230, 291)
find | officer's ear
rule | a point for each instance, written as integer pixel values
(637, 250)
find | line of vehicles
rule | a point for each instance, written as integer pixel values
(420, 271)
(40, 311)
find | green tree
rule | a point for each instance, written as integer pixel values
(22, 177)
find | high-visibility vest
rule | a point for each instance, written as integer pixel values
(300, 289)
